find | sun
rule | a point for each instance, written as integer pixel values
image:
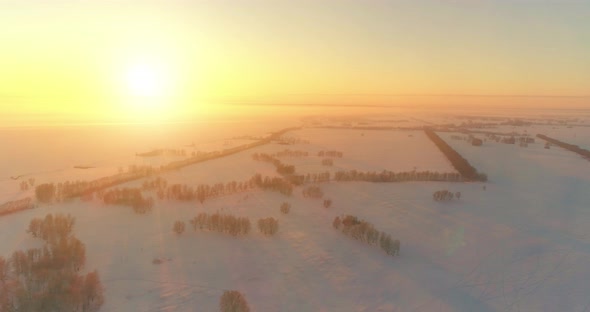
(146, 80)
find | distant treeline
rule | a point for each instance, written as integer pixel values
(460, 164)
(291, 153)
(163, 152)
(336, 154)
(390, 176)
(50, 192)
(570, 147)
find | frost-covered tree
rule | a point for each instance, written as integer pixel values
(178, 227)
(285, 207)
(233, 301)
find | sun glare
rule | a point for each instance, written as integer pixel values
(146, 81)
(148, 85)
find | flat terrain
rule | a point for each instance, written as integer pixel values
(522, 244)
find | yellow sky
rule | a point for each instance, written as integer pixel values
(74, 57)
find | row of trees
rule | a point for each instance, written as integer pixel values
(459, 163)
(276, 184)
(268, 226)
(227, 224)
(126, 196)
(365, 232)
(330, 154)
(50, 192)
(570, 147)
(222, 223)
(313, 191)
(282, 169)
(445, 195)
(327, 162)
(391, 176)
(16, 205)
(291, 153)
(48, 278)
(52, 229)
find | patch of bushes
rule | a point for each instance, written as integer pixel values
(327, 203)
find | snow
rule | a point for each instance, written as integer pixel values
(522, 244)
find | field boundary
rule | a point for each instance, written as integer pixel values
(570, 147)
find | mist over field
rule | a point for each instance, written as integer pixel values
(384, 210)
(279, 155)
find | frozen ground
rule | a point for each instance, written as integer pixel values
(522, 244)
(368, 150)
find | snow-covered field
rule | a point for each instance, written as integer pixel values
(368, 150)
(522, 244)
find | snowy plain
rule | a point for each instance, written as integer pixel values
(522, 244)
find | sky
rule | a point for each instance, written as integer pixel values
(118, 60)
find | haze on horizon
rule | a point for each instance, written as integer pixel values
(173, 60)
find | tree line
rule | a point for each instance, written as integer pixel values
(127, 196)
(16, 205)
(391, 176)
(570, 147)
(227, 224)
(49, 278)
(336, 154)
(291, 153)
(281, 168)
(365, 232)
(460, 164)
(71, 189)
(445, 195)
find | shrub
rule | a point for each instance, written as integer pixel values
(327, 203)
(336, 223)
(233, 301)
(285, 207)
(268, 226)
(178, 227)
(444, 195)
(313, 192)
(327, 162)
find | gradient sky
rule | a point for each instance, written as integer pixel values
(72, 57)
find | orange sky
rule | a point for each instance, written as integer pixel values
(78, 58)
